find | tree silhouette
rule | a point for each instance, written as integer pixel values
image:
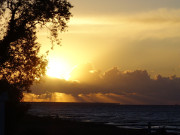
(20, 61)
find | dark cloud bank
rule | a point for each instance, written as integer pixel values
(130, 87)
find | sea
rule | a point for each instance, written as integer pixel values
(122, 116)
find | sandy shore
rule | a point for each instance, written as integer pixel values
(31, 125)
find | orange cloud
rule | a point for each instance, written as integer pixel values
(130, 87)
(48, 97)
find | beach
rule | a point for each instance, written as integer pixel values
(34, 125)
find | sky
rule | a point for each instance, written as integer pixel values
(129, 40)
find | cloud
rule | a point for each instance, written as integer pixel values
(49, 97)
(155, 24)
(126, 87)
(162, 15)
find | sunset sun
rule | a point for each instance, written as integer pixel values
(58, 69)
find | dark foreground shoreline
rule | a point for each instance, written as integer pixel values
(33, 125)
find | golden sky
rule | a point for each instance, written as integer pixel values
(129, 34)
(133, 34)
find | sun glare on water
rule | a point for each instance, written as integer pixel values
(58, 69)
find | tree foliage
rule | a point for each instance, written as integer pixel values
(20, 62)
